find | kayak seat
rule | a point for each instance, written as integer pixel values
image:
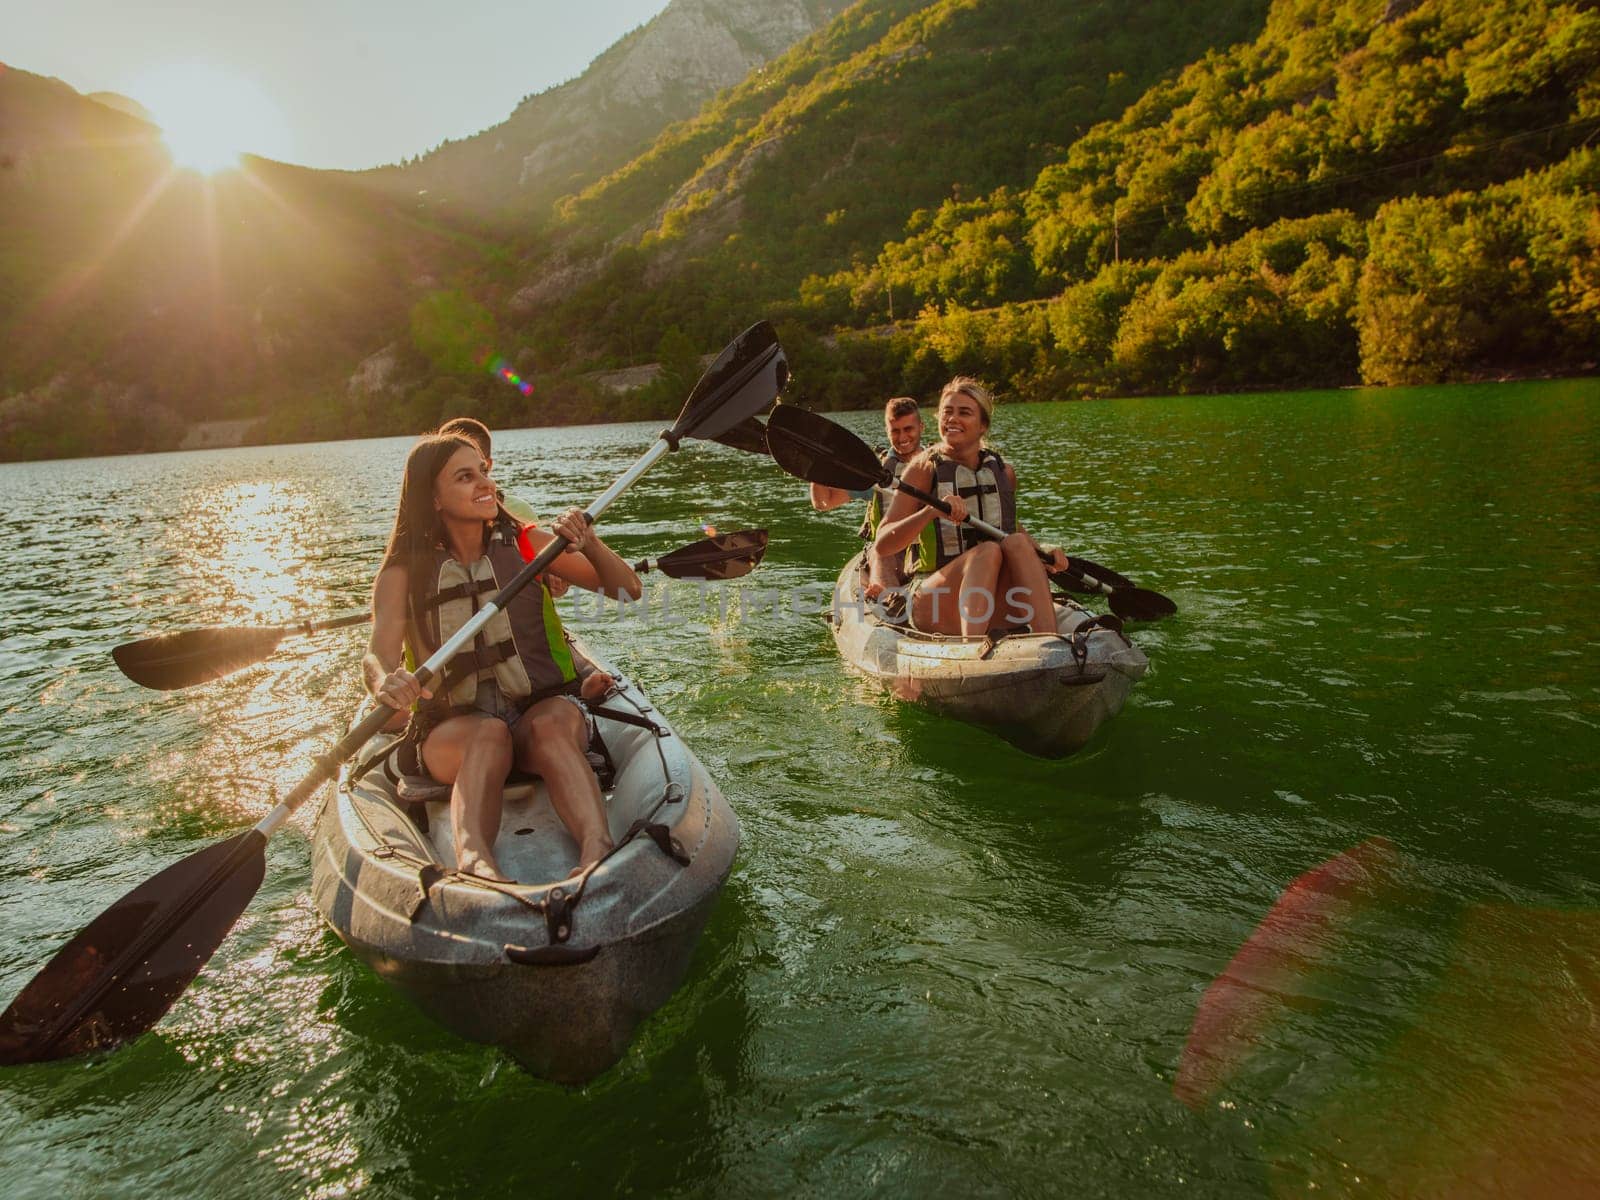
(414, 788)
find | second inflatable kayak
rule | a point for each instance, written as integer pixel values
(1046, 694)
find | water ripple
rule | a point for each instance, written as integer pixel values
(939, 966)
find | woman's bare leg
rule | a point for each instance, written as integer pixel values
(960, 596)
(883, 571)
(1025, 588)
(551, 738)
(473, 755)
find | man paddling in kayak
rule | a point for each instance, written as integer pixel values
(962, 583)
(512, 698)
(902, 423)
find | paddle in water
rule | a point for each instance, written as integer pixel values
(188, 657)
(818, 450)
(120, 975)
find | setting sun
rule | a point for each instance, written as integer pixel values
(209, 117)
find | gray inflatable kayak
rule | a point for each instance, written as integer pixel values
(1043, 693)
(558, 972)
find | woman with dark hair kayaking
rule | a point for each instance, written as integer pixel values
(478, 433)
(513, 696)
(963, 583)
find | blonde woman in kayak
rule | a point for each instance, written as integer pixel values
(513, 696)
(963, 583)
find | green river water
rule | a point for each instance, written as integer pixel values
(940, 966)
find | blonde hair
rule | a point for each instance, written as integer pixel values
(975, 391)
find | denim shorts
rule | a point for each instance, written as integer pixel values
(492, 702)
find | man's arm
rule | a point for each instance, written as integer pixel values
(825, 499)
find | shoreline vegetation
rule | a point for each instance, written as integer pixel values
(1173, 199)
(242, 433)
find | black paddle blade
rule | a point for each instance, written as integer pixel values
(1073, 586)
(749, 435)
(121, 974)
(1105, 574)
(745, 378)
(726, 556)
(180, 660)
(1140, 604)
(817, 450)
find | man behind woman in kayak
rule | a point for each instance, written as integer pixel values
(512, 697)
(902, 424)
(961, 582)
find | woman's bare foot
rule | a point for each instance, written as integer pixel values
(591, 852)
(483, 867)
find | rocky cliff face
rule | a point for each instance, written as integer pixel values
(563, 139)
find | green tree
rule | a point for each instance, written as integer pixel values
(453, 331)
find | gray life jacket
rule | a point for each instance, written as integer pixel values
(522, 649)
(988, 493)
(882, 497)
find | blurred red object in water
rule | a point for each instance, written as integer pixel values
(1264, 974)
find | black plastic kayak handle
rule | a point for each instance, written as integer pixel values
(550, 956)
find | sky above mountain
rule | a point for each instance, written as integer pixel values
(353, 84)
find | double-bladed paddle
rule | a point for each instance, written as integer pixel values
(118, 977)
(749, 435)
(818, 450)
(726, 556)
(188, 657)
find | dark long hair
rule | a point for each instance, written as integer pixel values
(417, 528)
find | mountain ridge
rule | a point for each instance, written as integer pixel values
(1071, 197)
(559, 140)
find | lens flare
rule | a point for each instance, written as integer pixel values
(499, 368)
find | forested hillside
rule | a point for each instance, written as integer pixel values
(1383, 191)
(815, 162)
(1324, 192)
(563, 139)
(1069, 197)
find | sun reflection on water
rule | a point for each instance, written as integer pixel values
(251, 541)
(268, 1015)
(250, 552)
